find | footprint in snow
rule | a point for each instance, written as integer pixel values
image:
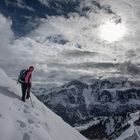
(26, 106)
(37, 126)
(36, 114)
(26, 136)
(46, 125)
(21, 123)
(31, 121)
(26, 111)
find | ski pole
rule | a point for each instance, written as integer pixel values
(31, 102)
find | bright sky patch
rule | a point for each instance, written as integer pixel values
(111, 32)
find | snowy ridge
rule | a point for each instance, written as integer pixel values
(19, 121)
(132, 132)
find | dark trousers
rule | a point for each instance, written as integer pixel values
(25, 90)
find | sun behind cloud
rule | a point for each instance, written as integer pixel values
(111, 32)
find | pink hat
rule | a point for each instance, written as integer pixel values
(31, 67)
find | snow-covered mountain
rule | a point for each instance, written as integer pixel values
(21, 121)
(133, 131)
(99, 106)
(116, 128)
(78, 100)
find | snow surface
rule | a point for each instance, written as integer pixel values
(21, 121)
(127, 135)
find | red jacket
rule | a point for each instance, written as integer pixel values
(28, 76)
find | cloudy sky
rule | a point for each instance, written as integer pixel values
(105, 42)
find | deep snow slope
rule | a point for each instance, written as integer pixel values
(20, 121)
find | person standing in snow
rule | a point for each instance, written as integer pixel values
(25, 80)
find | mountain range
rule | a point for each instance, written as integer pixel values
(105, 104)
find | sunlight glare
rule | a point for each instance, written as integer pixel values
(112, 32)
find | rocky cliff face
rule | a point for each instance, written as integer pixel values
(77, 101)
(106, 127)
(99, 109)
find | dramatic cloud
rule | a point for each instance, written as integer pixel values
(130, 68)
(45, 2)
(6, 36)
(63, 48)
